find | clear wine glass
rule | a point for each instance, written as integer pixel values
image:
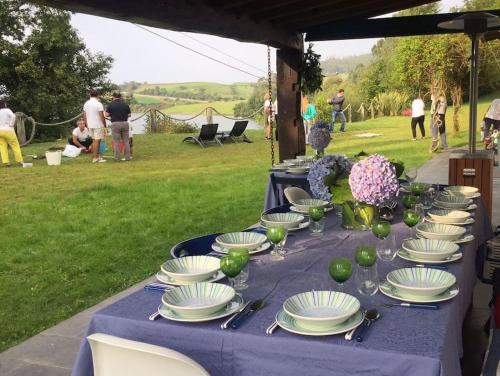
(411, 175)
(387, 248)
(367, 281)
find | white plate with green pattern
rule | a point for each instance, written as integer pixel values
(467, 238)
(301, 226)
(387, 289)
(264, 247)
(289, 324)
(232, 307)
(406, 256)
(467, 222)
(425, 282)
(164, 278)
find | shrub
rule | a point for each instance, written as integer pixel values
(391, 103)
(169, 125)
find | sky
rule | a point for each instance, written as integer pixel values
(144, 57)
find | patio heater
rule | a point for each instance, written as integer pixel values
(474, 168)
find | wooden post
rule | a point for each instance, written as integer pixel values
(152, 116)
(20, 128)
(349, 114)
(210, 116)
(291, 128)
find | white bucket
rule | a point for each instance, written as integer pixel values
(53, 157)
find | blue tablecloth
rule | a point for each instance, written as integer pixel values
(270, 197)
(408, 342)
(493, 356)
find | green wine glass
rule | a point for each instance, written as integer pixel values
(243, 255)
(277, 235)
(317, 213)
(231, 266)
(411, 218)
(340, 270)
(409, 201)
(381, 229)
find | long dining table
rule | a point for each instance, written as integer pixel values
(404, 341)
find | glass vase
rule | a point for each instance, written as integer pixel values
(358, 216)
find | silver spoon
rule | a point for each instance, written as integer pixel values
(155, 315)
(270, 330)
(371, 316)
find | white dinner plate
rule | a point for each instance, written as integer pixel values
(467, 222)
(475, 195)
(387, 289)
(468, 208)
(294, 209)
(465, 239)
(264, 247)
(288, 323)
(302, 226)
(164, 278)
(406, 256)
(232, 307)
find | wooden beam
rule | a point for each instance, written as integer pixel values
(191, 16)
(357, 9)
(291, 11)
(291, 128)
(385, 27)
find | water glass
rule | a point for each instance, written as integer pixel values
(366, 278)
(317, 227)
(240, 282)
(427, 199)
(420, 210)
(387, 248)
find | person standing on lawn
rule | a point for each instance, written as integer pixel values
(8, 135)
(119, 112)
(268, 116)
(438, 121)
(417, 117)
(337, 103)
(80, 137)
(309, 114)
(93, 115)
(492, 118)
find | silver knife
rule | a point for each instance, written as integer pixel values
(226, 323)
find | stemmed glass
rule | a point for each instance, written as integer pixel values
(277, 235)
(317, 213)
(232, 266)
(411, 175)
(386, 249)
(411, 218)
(366, 275)
(340, 270)
(427, 198)
(243, 255)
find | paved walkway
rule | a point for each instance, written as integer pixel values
(53, 352)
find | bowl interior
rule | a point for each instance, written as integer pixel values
(317, 305)
(278, 218)
(462, 190)
(454, 200)
(430, 246)
(450, 215)
(192, 265)
(198, 296)
(240, 239)
(438, 228)
(421, 278)
(293, 194)
(311, 202)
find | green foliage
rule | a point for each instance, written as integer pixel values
(169, 125)
(45, 69)
(312, 76)
(391, 103)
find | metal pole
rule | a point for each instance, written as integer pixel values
(473, 92)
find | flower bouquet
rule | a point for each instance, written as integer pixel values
(319, 137)
(324, 173)
(373, 181)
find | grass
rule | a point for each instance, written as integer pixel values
(75, 234)
(225, 91)
(225, 108)
(147, 99)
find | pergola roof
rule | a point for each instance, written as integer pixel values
(279, 23)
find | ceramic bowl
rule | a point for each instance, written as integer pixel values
(421, 282)
(461, 190)
(293, 194)
(453, 202)
(287, 220)
(305, 204)
(321, 309)
(199, 299)
(305, 157)
(191, 268)
(449, 216)
(430, 249)
(249, 240)
(439, 231)
(297, 170)
(418, 188)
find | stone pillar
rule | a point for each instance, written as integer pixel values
(291, 128)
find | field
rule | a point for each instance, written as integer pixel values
(147, 99)
(75, 234)
(225, 91)
(223, 107)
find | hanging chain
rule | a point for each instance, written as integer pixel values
(270, 88)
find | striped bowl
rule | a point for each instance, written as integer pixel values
(249, 240)
(199, 299)
(461, 190)
(305, 204)
(421, 282)
(430, 249)
(191, 268)
(287, 220)
(440, 232)
(453, 202)
(449, 216)
(321, 309)
(293, 194)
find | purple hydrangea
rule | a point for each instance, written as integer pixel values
(373, 180)
(319, 135)
(323, 168)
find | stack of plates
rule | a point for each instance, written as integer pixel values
(450, 217)
(305, 158)
(494, 246)
(290, 221)
(320, 313)
(452, 202)
(303, 205)
(253, 241)
(440, 231)
(430, 251)
(190, 269)
(420, 285)
(199, 302)
(462, 191)
(298, 170)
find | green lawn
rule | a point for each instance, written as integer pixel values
(223, 107)
(147, 99)
(75, 234)
(227, 91)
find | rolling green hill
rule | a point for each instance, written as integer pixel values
(203, 91)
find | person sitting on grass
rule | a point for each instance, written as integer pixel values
(81, 137)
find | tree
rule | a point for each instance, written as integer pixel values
(45, 67)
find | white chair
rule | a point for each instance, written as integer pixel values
(114, 356)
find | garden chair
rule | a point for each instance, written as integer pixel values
(117, 356)
(208, 133)
(237, 133)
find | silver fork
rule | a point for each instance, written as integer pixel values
(270, 330)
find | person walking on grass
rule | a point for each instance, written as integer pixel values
(80, 137)
(337, 103)
(119, 112)
(8, 135)
(93, 114)
(309, 115)
(417, 117)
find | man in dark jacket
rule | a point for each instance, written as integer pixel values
(337, 103)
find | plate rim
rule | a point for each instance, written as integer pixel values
(429, 261)
(419, 299)
(305, 225)
(204, 319)
(295, 210)
(265, 246)
(218, 277)
(458, 241)
(466, 223)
